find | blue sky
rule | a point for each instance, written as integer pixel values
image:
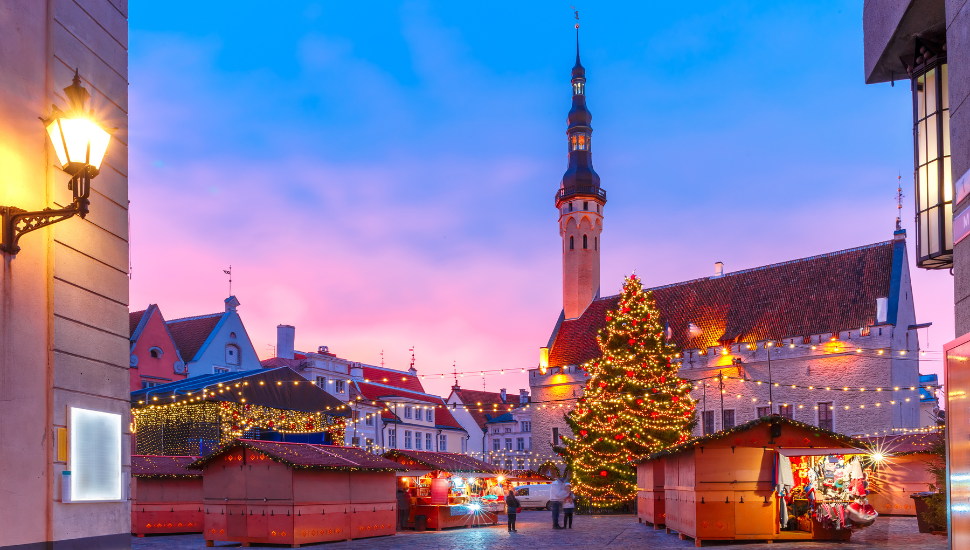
(381, 175)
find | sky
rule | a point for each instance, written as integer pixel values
(382, 175)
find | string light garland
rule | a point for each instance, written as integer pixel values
(634, 404)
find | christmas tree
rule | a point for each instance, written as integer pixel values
(634, 403)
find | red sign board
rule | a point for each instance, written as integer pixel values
(439, 491)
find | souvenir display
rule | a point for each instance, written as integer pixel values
(832, 490)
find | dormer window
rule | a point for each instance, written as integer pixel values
(579, 142)
(155, 352)
(579, 88)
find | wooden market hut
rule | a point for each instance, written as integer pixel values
(721, 486)
(197, 415)
(437, 503)
(650, 493)
(902, 473)
(296, 493)
(166, 497)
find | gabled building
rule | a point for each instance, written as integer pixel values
(215, 343)
(412, 419)
(474, 408)
(154, 358)
(509, 439)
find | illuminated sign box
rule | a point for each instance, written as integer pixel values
(95, 456)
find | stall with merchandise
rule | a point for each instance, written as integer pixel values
(900, 469)
(296, 493)
(449, 489)
(770, 479)
(166, 497)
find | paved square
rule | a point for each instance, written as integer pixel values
(614, 532)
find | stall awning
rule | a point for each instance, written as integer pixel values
(444, 462)
(163, 466)
(305, 455)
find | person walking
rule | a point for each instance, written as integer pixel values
(511, 508)
(403, 509)
(557, 493)
(568, 507)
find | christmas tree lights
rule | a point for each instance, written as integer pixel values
(634, 403)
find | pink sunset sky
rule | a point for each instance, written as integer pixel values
(386, 180)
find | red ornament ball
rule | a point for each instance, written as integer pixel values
(602, 384)
(674, 398)
(619, 437)
(604, 473)
(630, 373)
(655, 390)
(582, 433)
(639, 401)
(663, 379)
(632, 341)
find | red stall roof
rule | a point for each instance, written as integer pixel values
(163, 466)
(305, 455)
(446, 462)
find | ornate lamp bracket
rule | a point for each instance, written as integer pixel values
(17, 222)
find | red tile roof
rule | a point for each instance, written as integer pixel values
(392, 377)
(448, 462)
(191, 332)
(163, 466)
(134, 318)
(817, 295)
(375, 392)
(305, 455)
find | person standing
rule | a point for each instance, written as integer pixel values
(403, 509)
(568, 506)
(557, 494)
(511, 508)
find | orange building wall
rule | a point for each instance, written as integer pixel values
(161, 369)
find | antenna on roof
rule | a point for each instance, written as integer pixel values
(454, 370)
(229, 272)
(412, 370)
(899, 200)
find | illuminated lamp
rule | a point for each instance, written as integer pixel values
(80, 144)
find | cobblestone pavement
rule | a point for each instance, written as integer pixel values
(613, 532)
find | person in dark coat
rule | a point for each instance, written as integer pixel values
(511, 508)
(403, 509)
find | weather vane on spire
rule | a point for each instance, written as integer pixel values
(575, 14)
(229, 272)
(899, 200)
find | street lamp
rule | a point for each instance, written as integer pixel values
(931, 154)
(80, 144)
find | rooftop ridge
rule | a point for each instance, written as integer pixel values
(206, 316)
(398, 388)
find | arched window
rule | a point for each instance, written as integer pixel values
(155, 352)
(570, 243)
(578, 88)
(584, 243)
(232, 354)
(232, 334)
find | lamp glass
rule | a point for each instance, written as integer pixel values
(78, 134)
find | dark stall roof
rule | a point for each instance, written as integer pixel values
(280, 388)
(163, 466)
(306, 455)
(446, 462)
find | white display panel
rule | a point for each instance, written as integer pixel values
(95, 456)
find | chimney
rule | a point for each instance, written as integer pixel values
(718, 269)
(882, 310)
(523, 396)
(285, 341)
(356, 371)
(502, 393)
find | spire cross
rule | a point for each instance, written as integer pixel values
(899, 199)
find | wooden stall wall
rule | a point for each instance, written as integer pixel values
(166, 505)
(650, 493)
(895, 480)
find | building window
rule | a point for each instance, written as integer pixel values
(570, 242)
(596, 243)
(369, 419)
(155, 352)
(407, 439)
(585, 246)
(727, 421)
(322, 381)
(495, 430)
(496, 444)
(570, 207)
(825, 416)
(417, 440)
(407, 411)
(508, 443)
(508, 430)
(338, 386)
(579, 142)
(555, 436)
(934, 189)
(520, 444)
(427, 441)
(579, 88)
(586, 205)
(764, 411)
(443, 443)
(428, 416)
(709, 423)
(526, 426)
(392, 438)
(232, 334)
(232, 354)
(219, 370)
(785, 411)
(149, 384)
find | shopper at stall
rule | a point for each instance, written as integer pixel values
(568, 506)
(557, 493)
(511, 508)
(403, 509)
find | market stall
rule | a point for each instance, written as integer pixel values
(165, 496)
(650, 493)
(296, 493)
(770, 479)
(901, 471)
(449, 489)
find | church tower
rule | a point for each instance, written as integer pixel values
(580, 202)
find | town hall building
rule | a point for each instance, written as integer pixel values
(830, 340)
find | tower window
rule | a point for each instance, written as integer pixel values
(579, 142)
(586, 205)
(584, 242)
(570, 207)
(570, 243)
(596, 243)
(579, 88)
